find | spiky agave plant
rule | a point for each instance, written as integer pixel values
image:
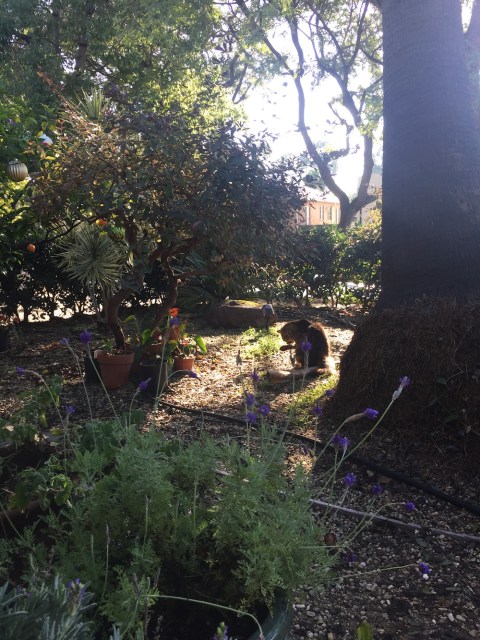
(94, 105)
(90, 256)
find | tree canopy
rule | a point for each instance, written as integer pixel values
(166, 189)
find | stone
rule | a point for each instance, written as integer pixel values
(240, 314)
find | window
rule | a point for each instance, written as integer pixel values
(321, 209)
(329, 214)
(306, 211)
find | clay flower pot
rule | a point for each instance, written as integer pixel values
(183, 364)
(115, 368)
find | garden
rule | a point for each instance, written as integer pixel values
(176, 463)
(116, 502)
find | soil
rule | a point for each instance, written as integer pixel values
(379, 577)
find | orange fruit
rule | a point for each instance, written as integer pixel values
(101, 222)
(31, 248)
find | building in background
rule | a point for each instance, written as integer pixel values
(321, 208)
(324, 208)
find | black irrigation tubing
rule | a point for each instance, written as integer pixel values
(353, 457)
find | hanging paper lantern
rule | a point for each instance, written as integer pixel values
(17, 171)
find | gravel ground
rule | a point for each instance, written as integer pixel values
(379, 577)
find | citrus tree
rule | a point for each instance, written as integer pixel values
(164, 186)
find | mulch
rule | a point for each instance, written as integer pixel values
(397, 602)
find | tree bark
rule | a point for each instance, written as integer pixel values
(431, 176)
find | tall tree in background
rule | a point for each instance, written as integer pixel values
(153, 50)
(310, 43)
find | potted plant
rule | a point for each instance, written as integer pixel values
(184, 347)
(185, 350)
(115, 365)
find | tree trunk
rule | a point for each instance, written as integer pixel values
(431, 176)
(431, 243)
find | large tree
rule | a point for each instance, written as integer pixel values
(427, 323)
(431, 174)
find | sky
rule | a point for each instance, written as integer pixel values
(274, 107)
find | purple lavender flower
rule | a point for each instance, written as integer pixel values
(409, 506)
(142, 386)
(350, 479)
(306, 345)
(73, 583)
(330, 392)
(255, 377)
(317, 410)
(371, 414)
(377, 489)
(174, 322)
(64, 342)
(86, 336)
(192, 374)
(20, 371)
(69, 409)
(350, 557)
(251, 417)
(249, 400)
(424, 568)
(264, 410)
(340, 442)
(404, 382)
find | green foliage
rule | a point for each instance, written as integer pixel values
(300, 407)
(364, 631)
(158, 518)
(31, 418)
(260, 342)
(92, 257)
(342, 267)
(45, 612)
(157, 50)
(44, 484)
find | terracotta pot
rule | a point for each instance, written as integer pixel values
(115, 368)
(183, 364)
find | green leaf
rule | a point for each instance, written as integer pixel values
(200, 342)
(364, 631)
